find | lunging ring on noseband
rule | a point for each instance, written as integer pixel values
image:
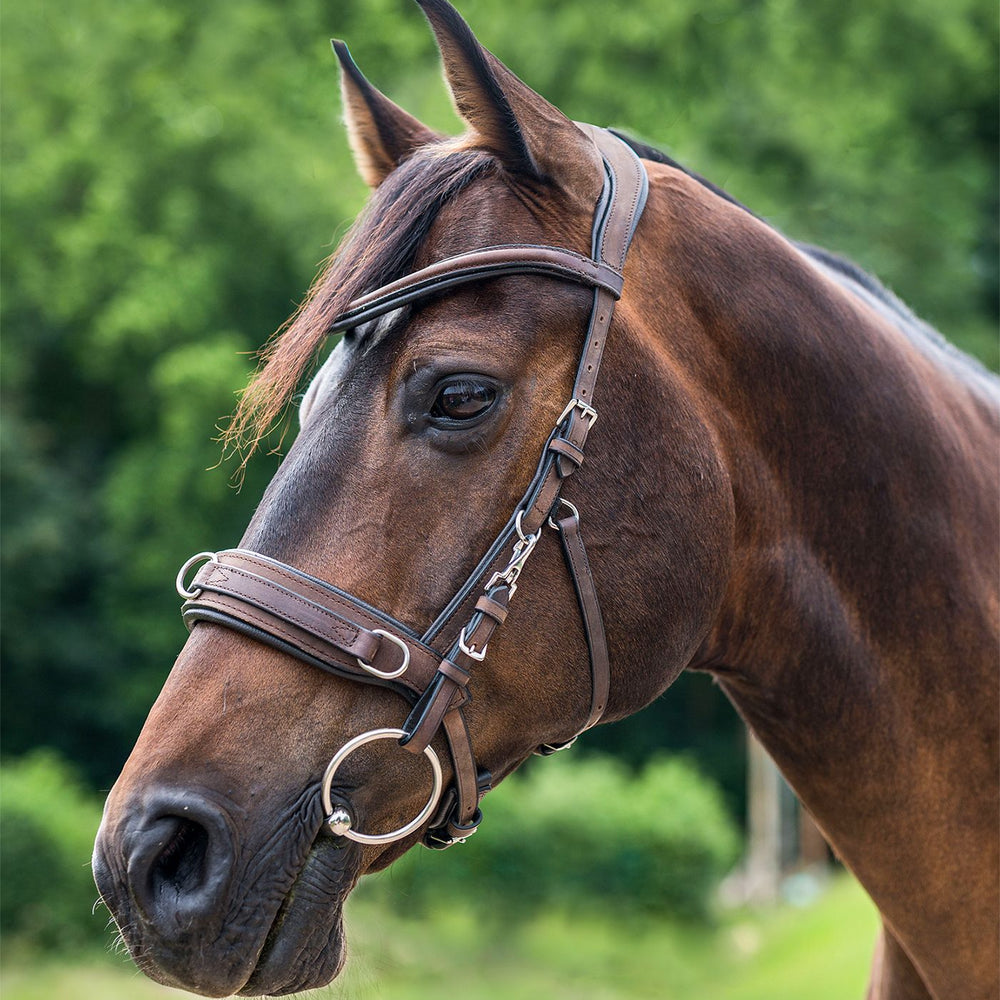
(339, 820)
(192, 594)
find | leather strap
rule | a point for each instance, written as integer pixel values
(309, 615)
(299, 614)
(590, 615)
(621, 206)
(491, 262)
(456, 669)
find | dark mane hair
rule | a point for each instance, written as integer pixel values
(648, 152)
(849, 275)
(379, 248)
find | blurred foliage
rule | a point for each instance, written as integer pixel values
(585, 835)
(660, 859)
(174, 174)
(47, 828)
(822, 952)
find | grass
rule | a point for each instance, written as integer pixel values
(820, 952)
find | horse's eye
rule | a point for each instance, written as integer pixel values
(462, 398)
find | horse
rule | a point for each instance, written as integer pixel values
(792, 485)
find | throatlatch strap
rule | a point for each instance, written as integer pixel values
(590, 615)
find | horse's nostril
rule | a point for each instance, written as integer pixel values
(179, 858)
(180, 866)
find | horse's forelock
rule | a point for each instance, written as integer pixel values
(380, 247)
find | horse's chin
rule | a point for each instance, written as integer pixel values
(305, 947)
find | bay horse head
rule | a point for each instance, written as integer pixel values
(412, 612)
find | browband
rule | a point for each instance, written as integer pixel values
(324, 626)
(491, 262)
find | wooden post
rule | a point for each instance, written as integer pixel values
(813, 849)
(763, 865)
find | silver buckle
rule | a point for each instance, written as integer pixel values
(477, 654)
(585, 408)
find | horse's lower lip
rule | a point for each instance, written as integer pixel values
(304, 948)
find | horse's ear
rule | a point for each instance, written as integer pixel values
(530, 135)
(380, 132)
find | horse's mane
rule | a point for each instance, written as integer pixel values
(379, 248)
(833, 261)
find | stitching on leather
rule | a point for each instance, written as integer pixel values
(611, 217)
(637, 190)
(626, 242)
(251, 616)
(593, 623)
(421, 663)
(337, 629)
(321, 594)
(465, 780)
(325, 598)
(246, 613)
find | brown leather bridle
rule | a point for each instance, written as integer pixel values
(335, 631)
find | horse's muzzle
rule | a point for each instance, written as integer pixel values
(201, 910)
(165, 871)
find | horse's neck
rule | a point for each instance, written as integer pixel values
(857, 632)
(864, 477)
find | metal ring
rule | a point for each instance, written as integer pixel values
(387, 675)
(527, 539)
(190, 595)
(345, 751)
(565, 503)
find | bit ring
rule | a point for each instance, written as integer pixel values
(343, 826)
